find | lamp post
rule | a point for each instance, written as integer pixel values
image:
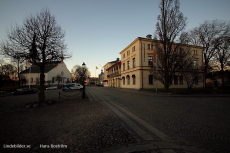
(83, 80)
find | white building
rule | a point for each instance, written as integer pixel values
(54, 72)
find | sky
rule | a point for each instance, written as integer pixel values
(97, 30)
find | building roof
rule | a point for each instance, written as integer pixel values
(154, 40)
(36, 69)
(115, 64)
(114, 61)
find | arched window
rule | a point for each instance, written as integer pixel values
(128, 79)
(134, 79)
(123, 78)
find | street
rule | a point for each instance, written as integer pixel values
(189, 121)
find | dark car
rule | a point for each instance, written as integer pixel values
(23, 91)
(65, 89)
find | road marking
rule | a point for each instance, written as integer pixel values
(142, 122)
(132, 125)
(135, 127)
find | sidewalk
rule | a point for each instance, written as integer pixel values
(70, 126)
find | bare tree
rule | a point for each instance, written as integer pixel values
(170, 24)
(222, 55)
(205, 34)
(77, 72)
(7, 70)
(40, 40)
(190, 71)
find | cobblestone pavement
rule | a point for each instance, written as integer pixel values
(192, 122)
(71, 125)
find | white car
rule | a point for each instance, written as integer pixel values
(51, 88)
(72, 86)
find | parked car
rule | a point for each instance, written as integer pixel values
(23, 91)
(51, 88)
(72, 86)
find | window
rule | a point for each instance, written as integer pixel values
(128, 79)
(62, 73)
(195, 52)
(133, 48)
(150, 60)
(134, 79)
(134, 63)
(128, 65)
(123, 66)
(181, 79)
(150, 79)
(52, 79)
(31, 80)
(128, 52)
(150, 46)
(175, 79)
(123, 80)
(124, 55)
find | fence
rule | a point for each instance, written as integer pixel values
(73, 95)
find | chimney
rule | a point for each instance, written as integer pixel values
(117, 59)
(149, 36)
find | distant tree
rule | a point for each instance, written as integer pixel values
(18, 60)
(205, 35)
(7, 70)
(39, 40)
(170, 24)
(23, 80)
(77, 73)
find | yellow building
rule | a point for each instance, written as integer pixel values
(112, 74)
(136, 59)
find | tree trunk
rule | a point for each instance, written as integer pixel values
(205, 72)
(222, 74)
(42, 82)
(19, 78)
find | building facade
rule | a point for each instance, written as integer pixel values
(135, 63)
(55, 73)
(100, 78)
(112, 75)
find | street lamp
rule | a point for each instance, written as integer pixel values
(83, 80)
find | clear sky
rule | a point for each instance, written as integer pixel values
(97, 30)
